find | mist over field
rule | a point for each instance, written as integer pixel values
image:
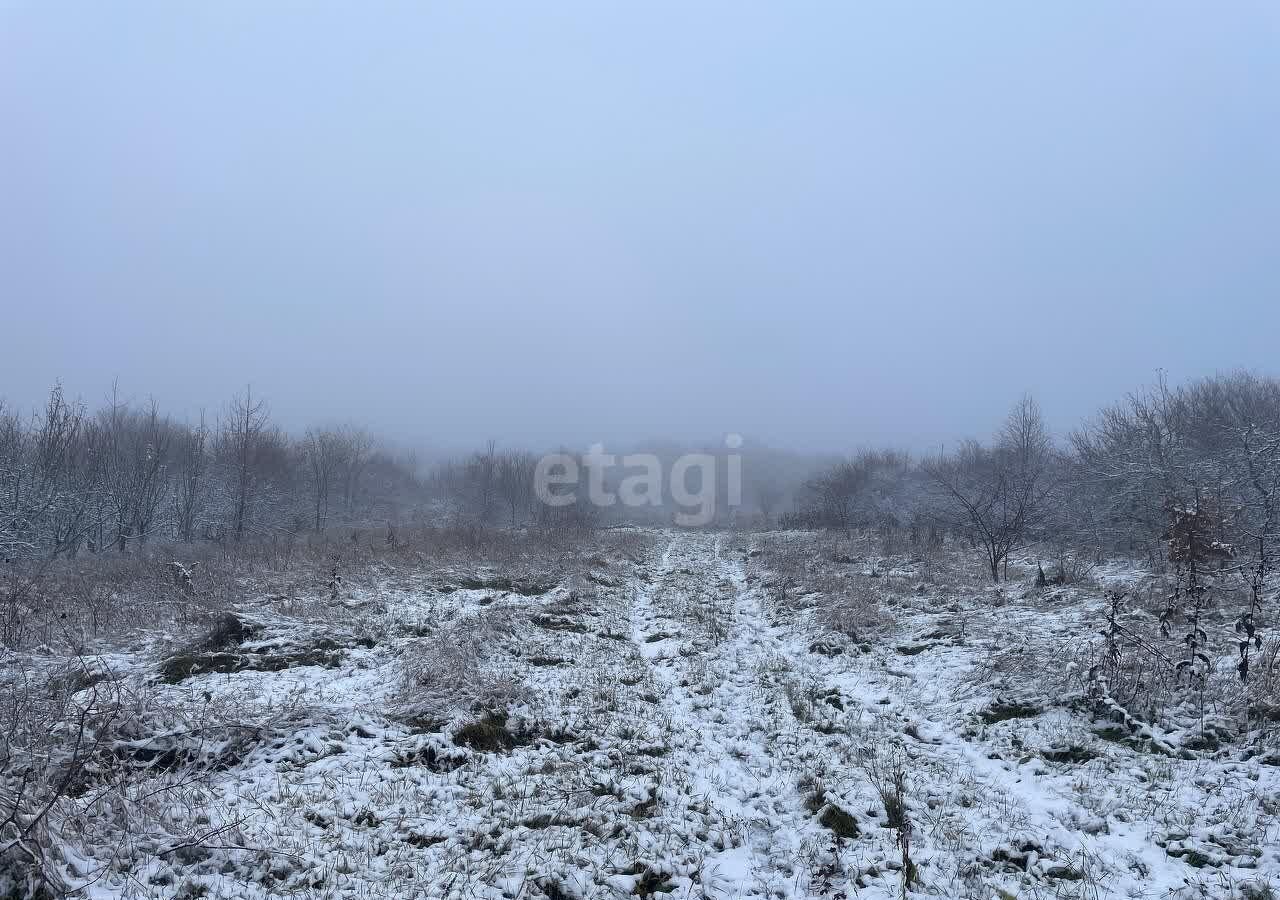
(824, 228)
(573, 451)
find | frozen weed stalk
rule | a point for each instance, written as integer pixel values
(1192, 548)
(886, 770)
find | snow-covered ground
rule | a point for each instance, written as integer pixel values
(669, 721)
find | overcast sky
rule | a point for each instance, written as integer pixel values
(821, 224)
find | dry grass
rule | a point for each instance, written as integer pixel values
(94, 754)
(107, 599)
(451, 668)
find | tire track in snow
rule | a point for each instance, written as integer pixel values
(701, 629)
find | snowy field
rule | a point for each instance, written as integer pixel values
(660, 714)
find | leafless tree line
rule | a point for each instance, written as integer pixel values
(1186, 477)
(1110, 487)
(74, 482)
(493, 487)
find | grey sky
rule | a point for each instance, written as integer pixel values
(821, 224)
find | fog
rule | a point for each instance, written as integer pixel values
(821, 227)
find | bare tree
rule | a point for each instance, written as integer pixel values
(328, 451)
(857, 492)
(355, 459)
(768, 494)
(481, 484)
(835, 491)
(515, 480)
(66, 478)
(999, 493)
(191, 462)
(136, 468)
(243, 429)
(51, 477)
